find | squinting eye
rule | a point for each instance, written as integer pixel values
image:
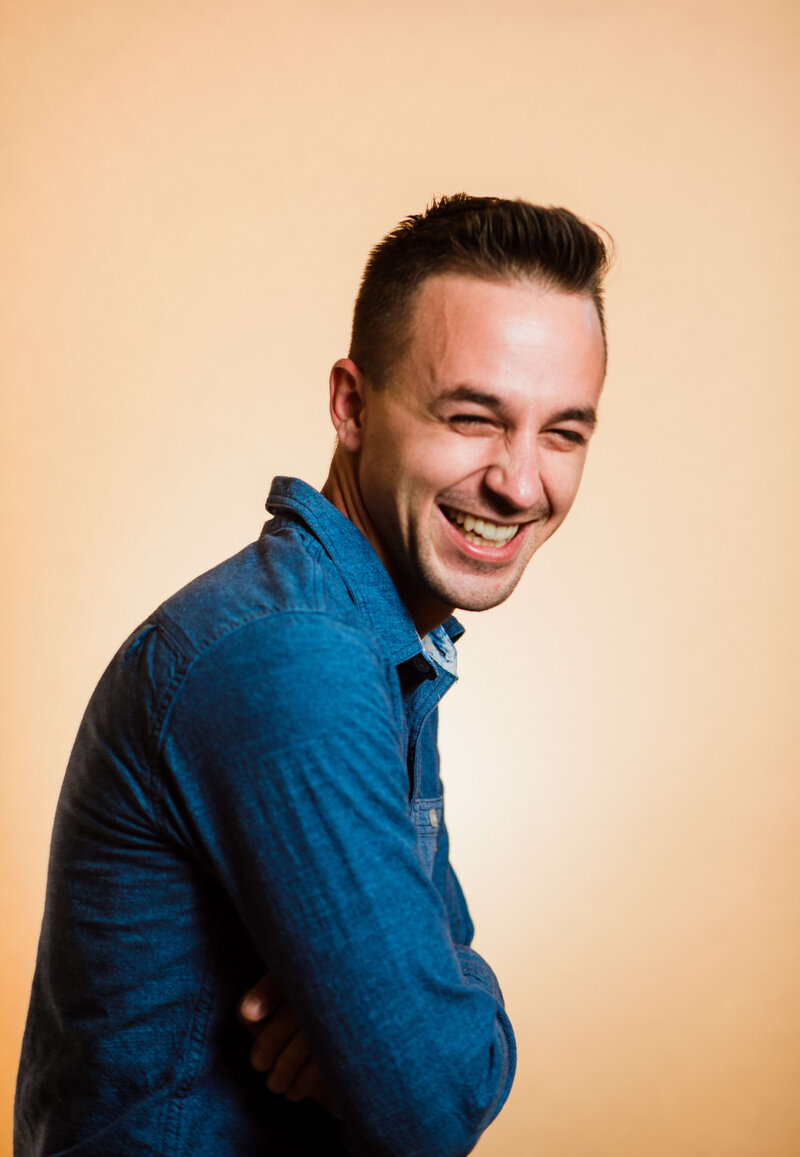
(471, 420)
(570, 436)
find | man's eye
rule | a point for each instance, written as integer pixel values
(470, 420)
(573, 436)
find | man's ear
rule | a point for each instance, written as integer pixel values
(348, 391)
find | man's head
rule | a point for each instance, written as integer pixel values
(484, 237)
(463, 429)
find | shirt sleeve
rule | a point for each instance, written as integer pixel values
(282, 759)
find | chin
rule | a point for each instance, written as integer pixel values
(486, 603)
(474, 597)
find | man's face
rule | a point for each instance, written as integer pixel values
(471, 455)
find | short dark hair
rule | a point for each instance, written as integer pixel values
(485, 237)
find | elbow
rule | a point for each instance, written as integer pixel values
(440, 1109)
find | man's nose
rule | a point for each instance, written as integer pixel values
(515, 476)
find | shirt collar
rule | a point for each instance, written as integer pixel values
(364, 574)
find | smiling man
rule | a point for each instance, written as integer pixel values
(469, 456)
(253, 803)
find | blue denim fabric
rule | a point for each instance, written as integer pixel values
(255, 785)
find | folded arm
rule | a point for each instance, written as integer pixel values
(284, 747)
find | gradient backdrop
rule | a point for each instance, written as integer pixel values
(189, 192)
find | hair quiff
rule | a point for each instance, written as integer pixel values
(484, 237)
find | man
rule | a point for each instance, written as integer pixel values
(254, 799)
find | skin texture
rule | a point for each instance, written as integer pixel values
(489, 413)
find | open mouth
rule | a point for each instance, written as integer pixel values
(480, 531)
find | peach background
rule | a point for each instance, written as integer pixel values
(190, 190)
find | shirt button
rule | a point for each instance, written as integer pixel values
(432, 816)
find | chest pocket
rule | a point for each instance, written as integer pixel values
(426, 815)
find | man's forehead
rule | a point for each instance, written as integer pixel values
(455, 305)
(475, 333)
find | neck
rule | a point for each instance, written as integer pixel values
(342, 489)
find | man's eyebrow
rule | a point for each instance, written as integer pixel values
(588, 416)
(470, 394)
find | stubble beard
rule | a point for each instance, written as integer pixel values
(455, 590)
(465, 591)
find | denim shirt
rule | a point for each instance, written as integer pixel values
(255, 786)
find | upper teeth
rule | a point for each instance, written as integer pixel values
(482, 527)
